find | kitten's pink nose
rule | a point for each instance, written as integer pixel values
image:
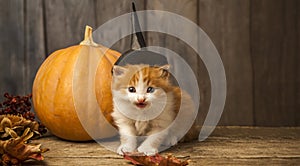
(141, 100)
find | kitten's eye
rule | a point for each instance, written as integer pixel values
(150, 90)
(131, 89)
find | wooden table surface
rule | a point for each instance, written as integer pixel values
(226, 146)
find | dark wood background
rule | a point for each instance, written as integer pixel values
(258, 41)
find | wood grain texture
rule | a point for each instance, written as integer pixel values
(66, 21)
(189, 10)
(227, 24)
(258, 41)
(274, 51)
(35, 52)
(226, 146)
(12, 47)
(110, 9)
(297, 108)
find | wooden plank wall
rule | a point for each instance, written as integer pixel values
(258, 41)
(227, 24)
(274, 58)
(12, 46)
(297, 96)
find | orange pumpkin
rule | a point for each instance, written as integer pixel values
(70, 87)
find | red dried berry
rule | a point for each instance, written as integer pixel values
(19, 105)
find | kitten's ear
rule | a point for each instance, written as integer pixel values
(165, 67)
(164, 71)
(118, 70)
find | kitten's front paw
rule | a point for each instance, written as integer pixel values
(125, 148)
(147, 150)
(170, 141)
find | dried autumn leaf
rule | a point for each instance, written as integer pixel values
(17, 126)
(157, 160)
(16, 149)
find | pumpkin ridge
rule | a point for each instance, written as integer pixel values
(45, 77)
(65, 98)
(115, 54)
(102, 51)
(70, 60)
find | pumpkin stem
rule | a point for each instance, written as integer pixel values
(88, 37)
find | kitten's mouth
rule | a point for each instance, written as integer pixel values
(141, 105)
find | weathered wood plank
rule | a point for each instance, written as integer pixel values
(12, 47)
(297, 108)
(274, 52)
(198, 161)
(203, 79)
(35, 51)
(80, 161)
(226, 146)
(110, 9)
(290, 63)
(66, 21)
(187, 9)
(227, 24)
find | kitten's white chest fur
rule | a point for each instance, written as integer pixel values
(142, 127)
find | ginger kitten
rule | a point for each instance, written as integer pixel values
(146, 104)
